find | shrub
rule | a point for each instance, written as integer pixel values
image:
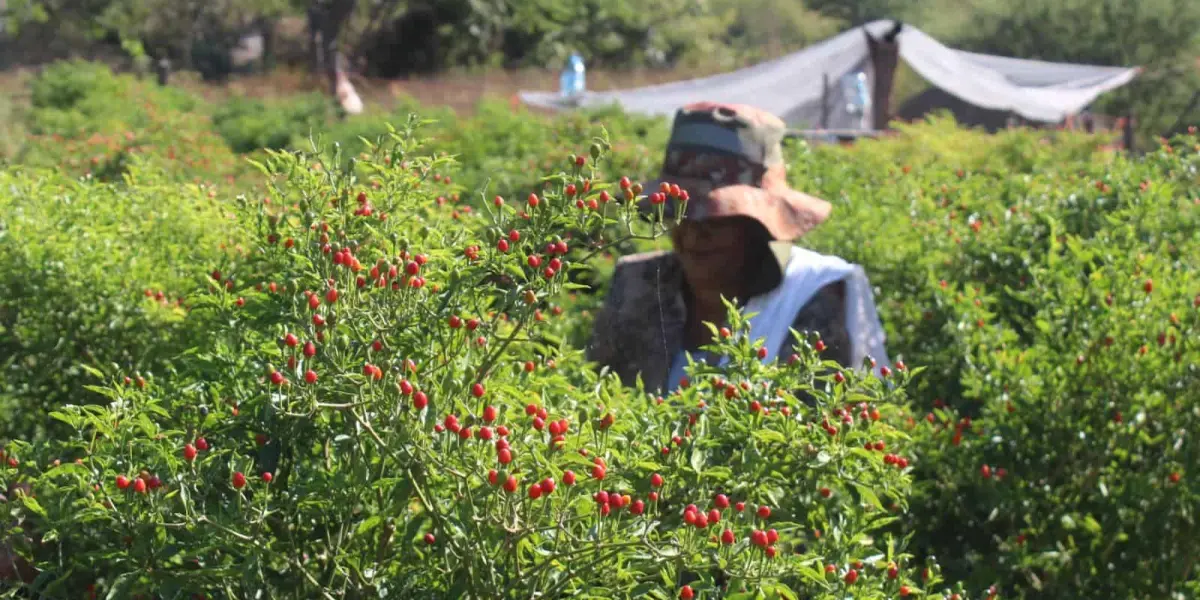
(87, 121)
(66, 85)
(1087, 396)
(72, 98)
(387, 417)
(503, 149)
(499, 149)
(1055, 301)
(247, 124)
(94, 274)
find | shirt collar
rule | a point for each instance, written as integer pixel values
(781, 250)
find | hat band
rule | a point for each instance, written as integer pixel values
(718, 168)
(722, 138)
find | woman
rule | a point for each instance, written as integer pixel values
(735, 242)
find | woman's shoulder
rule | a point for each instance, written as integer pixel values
(646, 258)
(642, 298)
(813, 257)
(647, 267)
(641, 281)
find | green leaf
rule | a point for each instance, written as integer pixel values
(812, 574)
(258, 166)
(32, 505)
(641, 464)
(718, 473)
(368, 524)
(697, 460)
(769, 436)
(93, 371)
(515, 271)
(155, 408)
(73, 420)
(1068, 523)
(386, 482)
(868, 496)
(89, 515)
(105, 391)
(782, 591)
(641, 590)
(747, 595)
(1043, 326)
(68, 468)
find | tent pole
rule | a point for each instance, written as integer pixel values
(885, 55)
(824, 101)
(1127, 133)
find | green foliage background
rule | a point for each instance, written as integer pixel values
(1159, 35)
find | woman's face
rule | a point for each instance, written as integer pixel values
(713, 252)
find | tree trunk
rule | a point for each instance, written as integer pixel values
(163, 70)
(266, 26)
(192, 12)
(314, 38)
(1128, 136)
(325, 22)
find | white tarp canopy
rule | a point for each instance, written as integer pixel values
(804, 88)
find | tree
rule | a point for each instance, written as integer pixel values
(326, 19)
(166, 28)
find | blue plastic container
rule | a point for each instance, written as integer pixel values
(573, 81)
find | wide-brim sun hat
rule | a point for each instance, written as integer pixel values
(729, 160)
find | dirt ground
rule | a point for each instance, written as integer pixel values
(459, 91)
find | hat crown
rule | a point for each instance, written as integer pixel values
(727, 144)
(729, 158)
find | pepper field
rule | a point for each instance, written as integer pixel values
(237, 360)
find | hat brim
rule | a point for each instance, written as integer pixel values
(786, 213)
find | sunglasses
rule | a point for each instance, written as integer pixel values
(688, 233)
